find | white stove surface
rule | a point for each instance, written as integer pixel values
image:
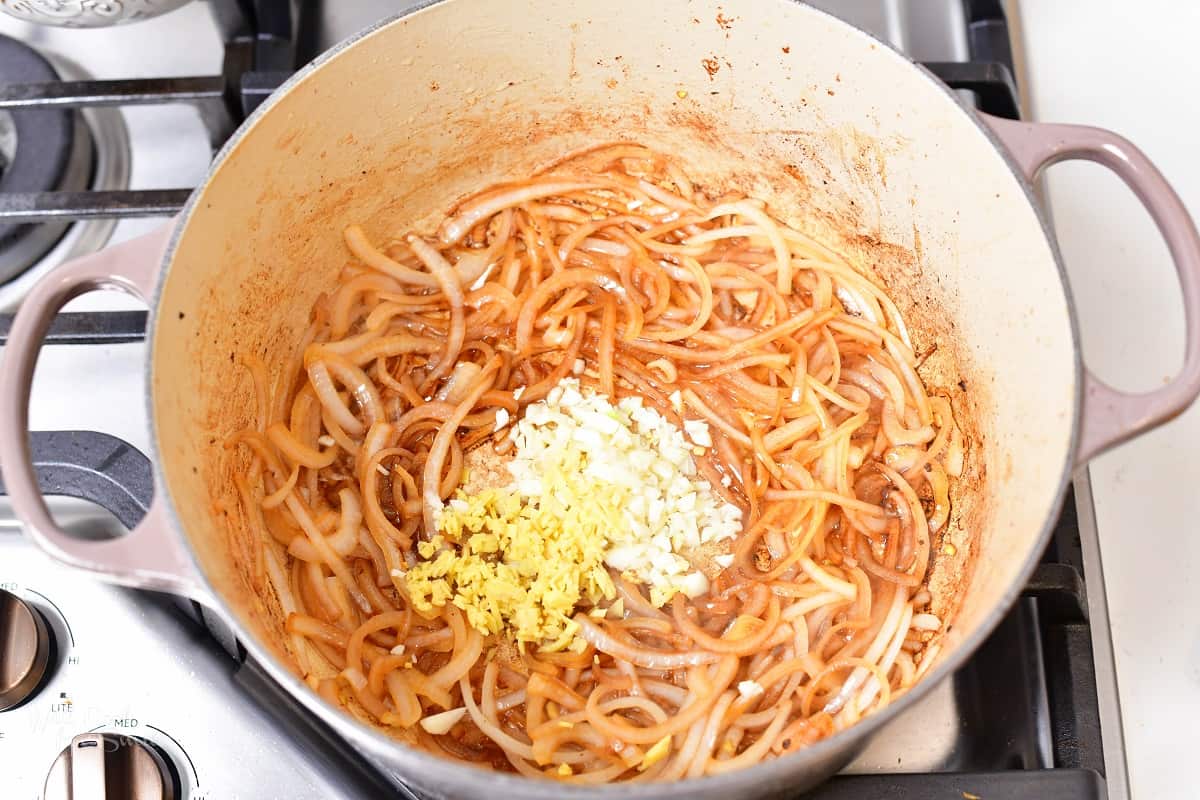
(128, 665)
(1131, 66)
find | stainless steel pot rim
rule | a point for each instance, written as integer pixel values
(448, 776)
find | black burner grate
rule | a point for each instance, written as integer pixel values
(44, 155)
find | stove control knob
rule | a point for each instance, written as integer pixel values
(107, 766)
(24, 650)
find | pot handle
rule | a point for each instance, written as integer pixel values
(1110, 416)
(150, 556)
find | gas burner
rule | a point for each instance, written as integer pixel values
(45, 150)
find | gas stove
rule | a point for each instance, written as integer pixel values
(102, 132)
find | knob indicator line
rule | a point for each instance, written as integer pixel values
(182, 749)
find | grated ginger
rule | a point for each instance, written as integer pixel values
(517, 564)
(591, 485)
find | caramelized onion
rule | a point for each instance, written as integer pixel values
(784, 361)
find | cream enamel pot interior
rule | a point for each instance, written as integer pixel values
(842, 136)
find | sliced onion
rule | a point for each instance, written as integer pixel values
(364, 251)
(475, 211)
(470, 266)
(650, 659)
(460, 382)
(322, 383)
(451, 286)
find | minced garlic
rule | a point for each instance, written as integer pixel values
(644, 465)
(750, 689)
(441, 724)
(594, 484)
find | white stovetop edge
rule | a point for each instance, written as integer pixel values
(1131, 66)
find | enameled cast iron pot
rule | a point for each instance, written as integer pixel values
(843, 136)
